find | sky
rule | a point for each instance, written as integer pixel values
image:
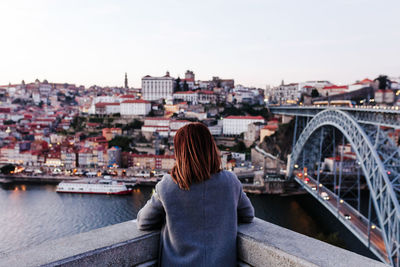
(257, 43)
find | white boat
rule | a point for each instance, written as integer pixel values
(94, 186)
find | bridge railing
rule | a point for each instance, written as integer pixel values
(259, 244)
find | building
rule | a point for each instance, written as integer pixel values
(333, 90)
(207, 97)
(235, 125)
(156, 88)
(103, 108)
(176, 124)
(188, 96)
(253, 133)
(110, 133)
(151, 161)
(284, 94)
(158, 125)
(360, 84)
(268, 130)
(135, 107)
(114, 156)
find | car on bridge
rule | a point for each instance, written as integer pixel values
(324, 196)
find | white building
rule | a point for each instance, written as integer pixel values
(189, 96)
(175, 125)
(135, 107)
(107, 108)
(361, 84)
(155, 88)
(333, 90)
(284, 94)
(235, 125)
(156, 124)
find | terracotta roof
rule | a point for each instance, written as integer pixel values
(184, 92)
(208, 92)
(136, 101)
(161, 126)
(245, 117)
(335, 87)
(153, 156)
(127, 96)
(271, 127)
(103, 104)
(157, 118)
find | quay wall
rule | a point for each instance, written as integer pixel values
(259, 244)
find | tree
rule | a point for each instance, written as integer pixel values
(122, 141)
(177, 85)
(8, 122)
(7, 169)
(383, 81)
(314, 93)
(185, 86)
(135, 124)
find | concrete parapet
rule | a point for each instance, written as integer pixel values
(259, 244)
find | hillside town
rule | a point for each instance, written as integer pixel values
(62, 128)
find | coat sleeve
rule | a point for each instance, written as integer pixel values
(245, 210)
(152, 215)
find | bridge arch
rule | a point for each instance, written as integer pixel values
(383, 195)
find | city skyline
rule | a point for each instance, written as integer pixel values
(95, 43)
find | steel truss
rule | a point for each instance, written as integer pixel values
(378, 158)
(376, 116)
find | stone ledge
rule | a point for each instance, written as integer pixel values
(265, 244)
(259, 244)
(116, 245)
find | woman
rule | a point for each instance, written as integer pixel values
(198, 206)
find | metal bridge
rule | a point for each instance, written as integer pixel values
(321, 135)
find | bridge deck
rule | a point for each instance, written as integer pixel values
(385, 116)
(358, 224)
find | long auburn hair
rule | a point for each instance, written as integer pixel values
(197, 156)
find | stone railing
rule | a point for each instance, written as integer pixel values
(259, 244)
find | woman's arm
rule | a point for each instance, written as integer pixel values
(245, 210)
(152, 215)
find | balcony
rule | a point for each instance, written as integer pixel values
(259, 244)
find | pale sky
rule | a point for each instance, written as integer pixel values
(254, 42)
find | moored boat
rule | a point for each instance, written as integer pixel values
(94, 186)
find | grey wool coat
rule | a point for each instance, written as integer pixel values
(198, 226)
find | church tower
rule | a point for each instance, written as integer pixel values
(126, 81)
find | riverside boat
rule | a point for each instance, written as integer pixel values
(95, 186)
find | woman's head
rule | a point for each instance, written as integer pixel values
(197, 156)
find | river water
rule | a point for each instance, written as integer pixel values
(31, 214)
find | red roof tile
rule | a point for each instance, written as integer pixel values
(245, 117)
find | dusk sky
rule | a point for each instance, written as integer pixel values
(255, 42)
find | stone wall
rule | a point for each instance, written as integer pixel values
(259, 244)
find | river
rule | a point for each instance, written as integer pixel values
(31, 214)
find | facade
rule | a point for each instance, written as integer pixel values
(235, 125)
(103, 108)
(206, 97)
(334, 90)
(188, 96)
(150, 161)
(284, 94)
(110, 133)
(361, 84)
(156, 124)
(175, 125)
(252, 134)
(156, 88)
(135, 107)
(114, 156)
